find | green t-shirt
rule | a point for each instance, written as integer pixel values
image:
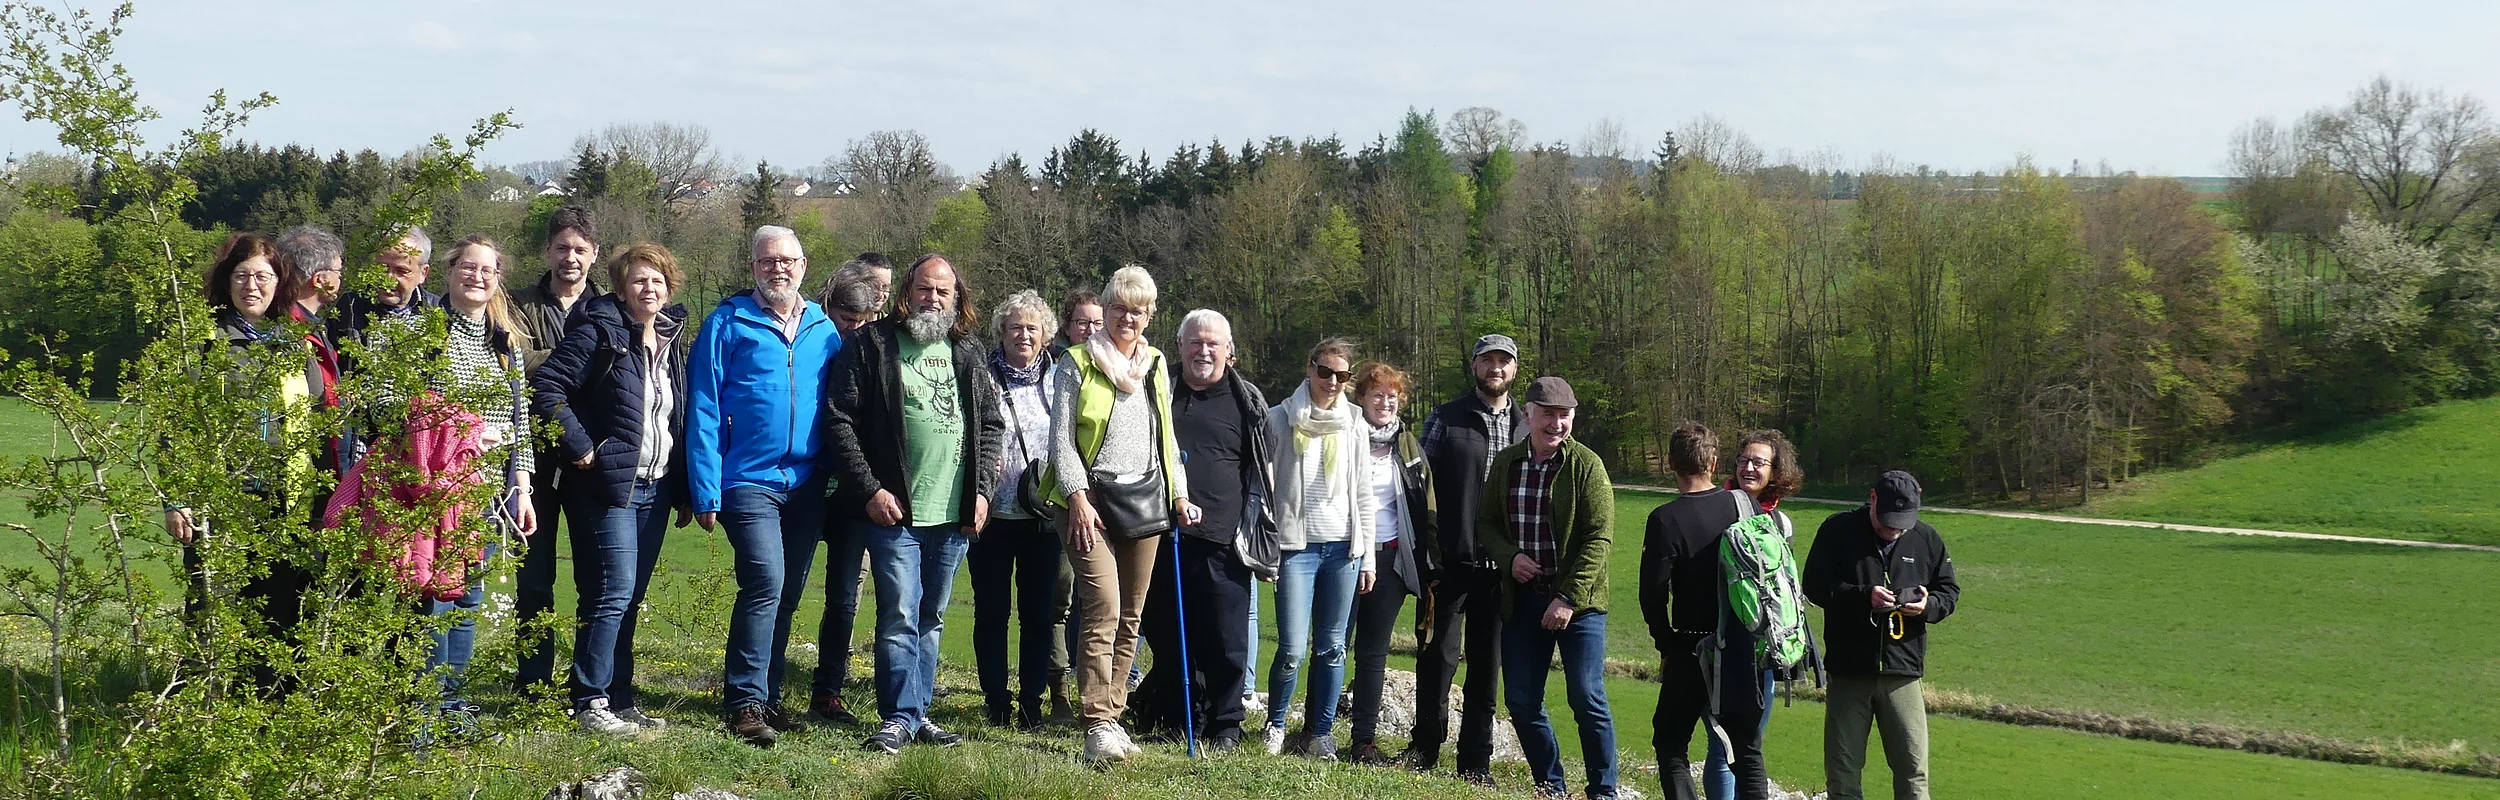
(933, 432)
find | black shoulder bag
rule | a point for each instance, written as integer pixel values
(1135, 506)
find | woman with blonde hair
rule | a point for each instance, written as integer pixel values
(1116, 468)
(483, 349)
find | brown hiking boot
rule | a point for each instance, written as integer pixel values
(778, 716)
(1368, 754)
(748, 723)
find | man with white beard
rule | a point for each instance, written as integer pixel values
(912, 424)
(754, 385)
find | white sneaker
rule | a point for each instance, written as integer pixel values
(1102, 744)
(1275, 741)
(635, 716)
(605, 723)
(1128, 745)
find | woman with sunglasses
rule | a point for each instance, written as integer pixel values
(1323, 508)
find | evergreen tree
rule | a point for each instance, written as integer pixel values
(763, 202)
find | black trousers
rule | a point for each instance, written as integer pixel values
(536, 592)
(1468, 599)
(1217, 602)
(1016, 567)
(1684, 701)
(1375, 620)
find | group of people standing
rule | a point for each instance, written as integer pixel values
(1108, 497)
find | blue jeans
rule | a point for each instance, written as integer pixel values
(766, 528)
(1250, 677)
(1527, 647)
(915, 573)
(1717, 781)
(614, 551)
(843, 549)
(455, 645)
(1314, 602)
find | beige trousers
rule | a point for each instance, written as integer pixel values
(1111, 583)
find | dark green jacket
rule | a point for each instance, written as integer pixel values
(1583, 508)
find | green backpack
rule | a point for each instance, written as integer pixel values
(1763, 591)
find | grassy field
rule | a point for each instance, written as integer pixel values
(2423, 474)
(2351, 641)
(2358, 642)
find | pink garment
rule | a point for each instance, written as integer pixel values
(443, 445)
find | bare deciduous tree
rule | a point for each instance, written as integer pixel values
(1476, 130)
(2423, 161)
(681, 155)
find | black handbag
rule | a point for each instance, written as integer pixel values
(1030, 498)
(1138, 507)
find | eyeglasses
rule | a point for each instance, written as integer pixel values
(475, 268)
(1758, 463)
(1339, 375)
(776, 262)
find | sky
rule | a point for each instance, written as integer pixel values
(2154, 87)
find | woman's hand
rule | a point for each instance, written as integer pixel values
(1084, 526)
(1363, 583)
(585, 461)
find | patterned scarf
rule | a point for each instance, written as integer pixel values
(1013, 376)
(1126, 374)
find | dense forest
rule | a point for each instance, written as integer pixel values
(2015, 333)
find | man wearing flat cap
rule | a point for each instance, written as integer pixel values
(1548, 515)
(1881, 576)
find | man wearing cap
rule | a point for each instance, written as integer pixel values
(1547, 515)
(1882, 577)
(1463, 610)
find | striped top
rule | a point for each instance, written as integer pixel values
(478, 374)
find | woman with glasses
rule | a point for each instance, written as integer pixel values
(1766, 467)
(1115, 466)
(1323, 508)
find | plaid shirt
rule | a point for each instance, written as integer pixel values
(1496, 436)
(1531, 520)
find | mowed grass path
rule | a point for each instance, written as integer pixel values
(2428, 474)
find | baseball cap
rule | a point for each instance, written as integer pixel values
(1492, 342)
(1897, 500)
(1553, 392)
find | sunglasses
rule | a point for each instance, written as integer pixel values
(1341, 375)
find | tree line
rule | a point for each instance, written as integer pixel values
(2016, 332)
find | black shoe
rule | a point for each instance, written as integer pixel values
(1482, 778)
(781, 719)
(1368, 754)
(930, 733)
(828, 707)
(1420, 758)
(1228, 742)
(1029, 717)
(888, 739)
(748, 723)
(1000, 716)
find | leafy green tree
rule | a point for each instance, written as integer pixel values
(762, 205)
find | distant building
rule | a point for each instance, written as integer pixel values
(506, 194)
(795, 187)
(551, 189)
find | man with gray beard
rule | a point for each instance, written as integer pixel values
(912, 425)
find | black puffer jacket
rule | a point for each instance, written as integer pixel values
(591, 388)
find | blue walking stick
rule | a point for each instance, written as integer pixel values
(1180, 613)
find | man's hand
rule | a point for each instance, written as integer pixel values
(1916, 607)
(1186, 511)
(1524, 569)
(1881, 597)
(178, 523)
(1363, 583)
(883, 510)
(707, 519)
(685, 516)
(980, 517)
(1557, 614)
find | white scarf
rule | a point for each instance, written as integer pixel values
(1312, 422)
(1127, 375)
